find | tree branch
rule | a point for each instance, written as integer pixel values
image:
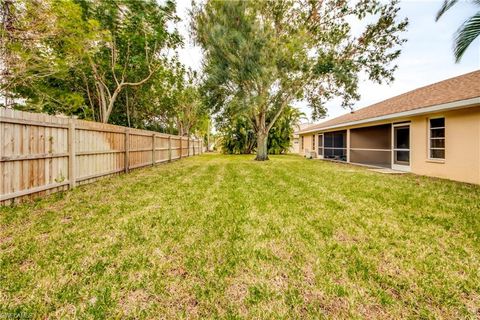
(113, 61)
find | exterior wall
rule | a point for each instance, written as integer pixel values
(307, 144)
(462, 146)
(295, 148)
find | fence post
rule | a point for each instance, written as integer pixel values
(193, 144)
(153, 149)
(181, 147)
(169, 148)
(71, 153)
(188, 146)
(127, 149)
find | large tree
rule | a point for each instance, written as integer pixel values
(239, 137)
(265, 55)
(80, 56)
(43, 42)
(136, 49)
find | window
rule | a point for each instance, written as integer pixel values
(301, 145)
(437, 138)
(320, 144)
(334, 145)
(313, 142)
(401, 144)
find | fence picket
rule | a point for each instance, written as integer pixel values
(41, 154)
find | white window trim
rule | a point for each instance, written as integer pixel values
(429, 149)
(320, 136)
(399, 166)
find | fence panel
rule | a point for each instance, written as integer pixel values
(42, 154)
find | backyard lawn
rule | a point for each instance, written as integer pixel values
(227, 237)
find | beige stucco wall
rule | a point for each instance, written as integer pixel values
(462, 146)
(307, 144)
(295, 145)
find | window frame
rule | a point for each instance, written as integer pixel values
(430, 148)
(320, 147)
(331, 135)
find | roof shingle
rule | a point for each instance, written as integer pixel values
(463, 87)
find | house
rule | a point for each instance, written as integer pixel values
(295, 148)
(433, 131)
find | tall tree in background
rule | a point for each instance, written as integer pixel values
(7, 18)
(239, 137)
(467, 32)
(150, 106)
(43, 44)
(136, 49)
(188, 111)
(280, 137)
(264, 55)
(79, 56)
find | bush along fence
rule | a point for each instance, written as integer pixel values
(42, 154)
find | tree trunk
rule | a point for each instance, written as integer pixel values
(208, 136)
(8, 28)
(128, 109)
(262, 138)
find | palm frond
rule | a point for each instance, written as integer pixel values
(465, 35)
(447, 4)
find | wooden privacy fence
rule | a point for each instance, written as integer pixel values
(42, 154)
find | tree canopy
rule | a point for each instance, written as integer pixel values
(110, 61)
(261, 56)
(115, 60)
(239, 137)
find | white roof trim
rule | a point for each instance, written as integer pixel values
(436, 108)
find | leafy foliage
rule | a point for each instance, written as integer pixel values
(261, 56)
(239, 136)
(468, 31)
(280, 137)
(108, 61)
(43, 45)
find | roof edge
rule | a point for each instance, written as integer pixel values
(439, 107)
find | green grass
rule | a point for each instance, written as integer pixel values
(227, 237)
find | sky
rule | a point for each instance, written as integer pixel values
(427, 56)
